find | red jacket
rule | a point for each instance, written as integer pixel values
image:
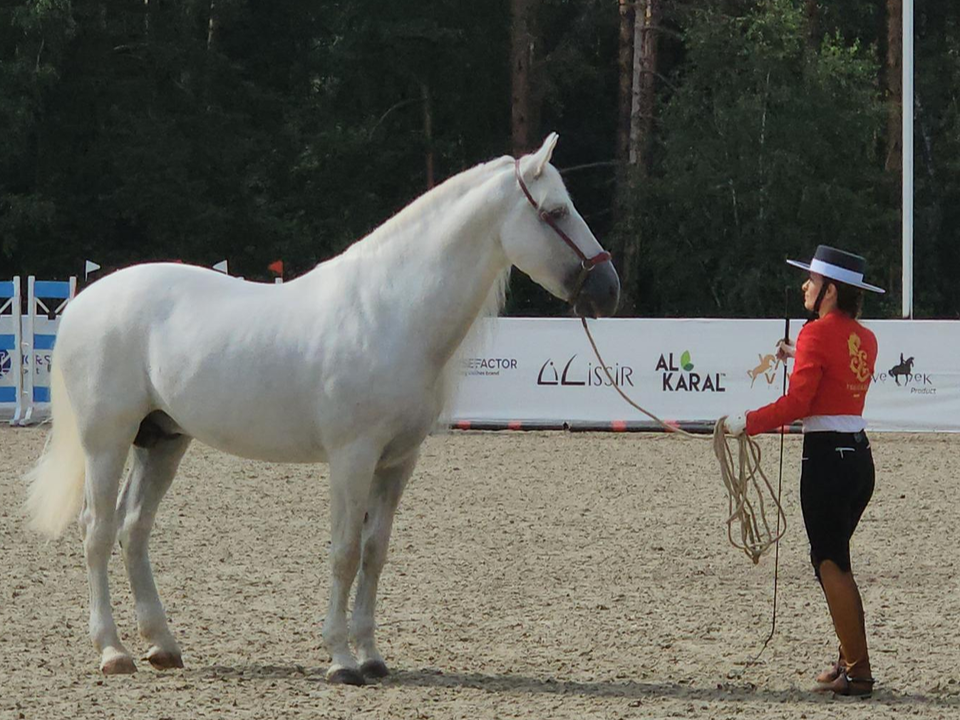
(832, 370)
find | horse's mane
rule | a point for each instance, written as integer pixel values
(431, 202)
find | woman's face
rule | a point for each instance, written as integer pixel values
(811, 288)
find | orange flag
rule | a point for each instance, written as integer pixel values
(276, 267)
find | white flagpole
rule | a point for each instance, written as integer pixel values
(907, 155)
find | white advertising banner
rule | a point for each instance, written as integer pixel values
(543, 372)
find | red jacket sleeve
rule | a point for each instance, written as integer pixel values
(804, 381)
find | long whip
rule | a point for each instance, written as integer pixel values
(776, 555)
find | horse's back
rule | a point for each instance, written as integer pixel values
(120, 314)
(153, 285)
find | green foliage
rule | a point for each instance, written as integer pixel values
(33, 37)
(769, 147)
(133, 132)
(937, 158)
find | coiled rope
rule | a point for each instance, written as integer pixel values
(750, 496)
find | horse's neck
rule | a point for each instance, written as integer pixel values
(433, 268)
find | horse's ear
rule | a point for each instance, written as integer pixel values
(542, 156)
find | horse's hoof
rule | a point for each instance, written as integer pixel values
(345, 676)
(118, 665)
(374, 669)
(164, 659)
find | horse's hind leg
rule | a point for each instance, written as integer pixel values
(351, 472)
(388, 486)
(150, 478)
(99, 527)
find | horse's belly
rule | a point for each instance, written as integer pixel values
(267, 444)
(250, 425)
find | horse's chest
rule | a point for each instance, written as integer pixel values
(406, 430)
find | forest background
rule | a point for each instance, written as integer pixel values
(704, 141)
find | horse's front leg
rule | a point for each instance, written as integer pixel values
(388, 486)
(351, 473)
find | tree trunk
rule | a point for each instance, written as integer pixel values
(894, 70)
(812, 11)
(521, 60)
(644, 83)
(641, 67)
(626, 73)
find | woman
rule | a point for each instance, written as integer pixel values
(834, 362)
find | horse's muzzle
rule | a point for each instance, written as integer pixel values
(599, 294)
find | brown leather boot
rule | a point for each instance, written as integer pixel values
(846, 609)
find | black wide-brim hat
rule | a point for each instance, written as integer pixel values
(838, 265)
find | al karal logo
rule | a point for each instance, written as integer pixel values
(679, 376)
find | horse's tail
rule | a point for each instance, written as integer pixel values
(56, 481)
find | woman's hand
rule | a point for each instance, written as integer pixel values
(785, 349)
(735, 424)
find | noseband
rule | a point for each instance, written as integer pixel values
(586, 263)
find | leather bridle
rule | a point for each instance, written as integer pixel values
(587, 264)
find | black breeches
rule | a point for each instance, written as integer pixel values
(835, 486)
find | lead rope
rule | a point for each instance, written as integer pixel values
(749, 493)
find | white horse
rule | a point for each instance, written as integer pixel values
(348, 365)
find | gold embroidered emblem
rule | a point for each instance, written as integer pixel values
(858, 358)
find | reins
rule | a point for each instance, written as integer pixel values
(749, 493)
(746, 485)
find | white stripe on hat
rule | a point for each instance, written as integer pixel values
(836, 272)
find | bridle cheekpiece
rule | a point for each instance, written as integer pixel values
(586, 263)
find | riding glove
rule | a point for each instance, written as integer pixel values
(735, 424)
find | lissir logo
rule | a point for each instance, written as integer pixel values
(575, 374)
(680, 376)
(902, 374)
(6, 362)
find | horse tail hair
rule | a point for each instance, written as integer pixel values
(56, 481)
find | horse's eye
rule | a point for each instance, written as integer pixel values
(558, 213)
